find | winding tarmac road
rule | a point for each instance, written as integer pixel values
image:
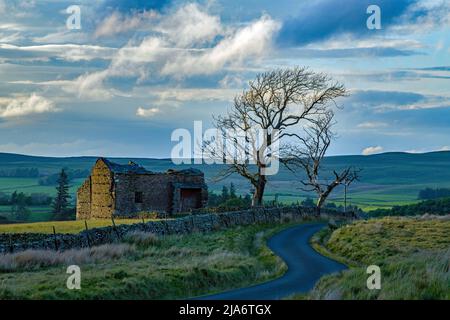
(305, 267)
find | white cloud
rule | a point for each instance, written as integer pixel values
(372, 150)
(372, 125)
(147, 113)
(10, 38)
(156, 55)
(23, 106)
(183, 43)
(348, 41)
(252, 41)
(231, 81)
(128, 62)
(68, 52)
(12, 27)
(118, 23)
(63, 148)
(62, 37)
(194, 94)
(90, 86)
(431, 149)
(2, 6)
(433, 13)
(190, 26)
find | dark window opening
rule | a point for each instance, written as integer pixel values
(138, 198)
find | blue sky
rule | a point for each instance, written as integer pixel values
(139, 69)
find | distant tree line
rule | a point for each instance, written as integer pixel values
(429, 193)
(310, 203)
(20, 173)
(229, 199)
(33, 199)
(52, 179)
(436, 207)
(44, 179)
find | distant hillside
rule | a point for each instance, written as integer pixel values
(386, 179)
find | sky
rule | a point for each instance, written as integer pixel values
(137, 70)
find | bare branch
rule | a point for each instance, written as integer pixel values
(275, 102)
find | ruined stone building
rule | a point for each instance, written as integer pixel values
(125, 190)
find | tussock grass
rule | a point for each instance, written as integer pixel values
(141, 238)
(36, 259)
(413, 254)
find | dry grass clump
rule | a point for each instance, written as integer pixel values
(141, 238)
(428, 216)
(35, 259)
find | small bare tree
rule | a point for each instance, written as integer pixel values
(309, 155)
(275, 103)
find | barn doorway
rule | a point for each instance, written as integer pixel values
(191, 198)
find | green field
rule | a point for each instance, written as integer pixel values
(412, 253)
(386, 179)
(30, 185)
(38, 213)
(62, 226)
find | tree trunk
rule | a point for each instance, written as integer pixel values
(320, 203)
(259, 192)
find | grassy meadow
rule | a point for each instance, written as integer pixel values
(413, 254)
(62, 226)
(146, 266)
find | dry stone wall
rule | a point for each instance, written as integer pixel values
(193, 223)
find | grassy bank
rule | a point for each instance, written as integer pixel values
(147, 267)
(413, 254)
(62, 226)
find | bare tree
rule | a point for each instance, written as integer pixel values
(308, 157)
(273, 106)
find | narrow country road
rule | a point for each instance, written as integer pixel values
(305, 267)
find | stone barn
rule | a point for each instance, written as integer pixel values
(125, 190)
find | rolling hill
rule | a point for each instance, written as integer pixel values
(386, 179)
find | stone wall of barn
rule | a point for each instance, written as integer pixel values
(160, 191)
(155, 189)
(84, 200)
(102, 192)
